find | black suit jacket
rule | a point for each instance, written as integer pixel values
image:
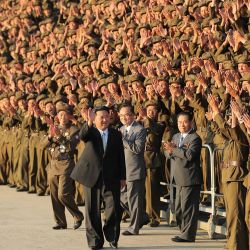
(94, 161)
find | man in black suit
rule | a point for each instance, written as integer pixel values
(101, 169)
(184, 152)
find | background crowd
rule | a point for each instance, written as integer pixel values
(171, 55)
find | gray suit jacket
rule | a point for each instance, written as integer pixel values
(185, 160)
(134, 145)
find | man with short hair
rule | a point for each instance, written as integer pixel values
(101, 169)
(134, 137)
(184, 152)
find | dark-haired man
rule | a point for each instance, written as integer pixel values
(101, 169)
(184, 152)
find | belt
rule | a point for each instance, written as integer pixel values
(232, 164)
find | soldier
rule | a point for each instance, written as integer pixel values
(153, 162)
(62, 142)
(234, 170)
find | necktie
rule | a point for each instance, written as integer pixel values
(181, 141)
(104, 141)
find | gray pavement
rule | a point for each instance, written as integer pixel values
(26, 221)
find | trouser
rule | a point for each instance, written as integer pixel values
(23, 163)
(79, 194)
(205, 163)
(187, 210)
(41, 175)
(3, 160)
(237, 232)
(9, 147)
(33, 156)
(93, 199)
(218, 156)
(136, 204)
(153, 194)
(16, 152)
(62, 195)
(247, 210)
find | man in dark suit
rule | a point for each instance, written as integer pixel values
(184, 151)
(134, 137)
(101, 169)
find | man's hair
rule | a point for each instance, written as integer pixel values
(127, 105)
(188, 115)
(101, 108)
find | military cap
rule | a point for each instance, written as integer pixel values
(147, 81)
(12, 47)
(62, 106)
(59, 98)
(245, 77)
(47, 100)
(40, 79)
(5, 59)
(41, 97)
(27, 79)
(20, 96)
(99, 102)
(205, 23)
(92, 58)
(156, 39)
(241, 58)
(222, 58)
(175, 80)
(21, 77)
(158, 8)
(228, 65)
(11, 93)
(111, 79)
(3, 96)
(176, 63)
(190, 77)
(84, 63)
(72, 19)
(206, 56)
(134, 58)
(101, 108)
(71, 33)
(151, 103)
(102, 82)
(169, 7)
(144, 26)
(58, 77)
(184, 37)
(134, 78)
(173, 22)
(31, 97)
(82, 93)
(60, 46)
(32, 29)
(154, 23)
(66, 82)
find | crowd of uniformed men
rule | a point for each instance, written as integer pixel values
(162, 56)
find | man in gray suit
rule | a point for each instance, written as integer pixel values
(134, 137)
(184, 151)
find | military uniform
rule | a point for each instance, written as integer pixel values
(234, 170)
(153, 160)
(62, 150)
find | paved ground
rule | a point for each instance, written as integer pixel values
(26, 221)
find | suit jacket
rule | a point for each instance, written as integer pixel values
(185, 160)
(94, 161)
(134, 145)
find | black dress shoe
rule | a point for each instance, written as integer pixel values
(58, 227)
(179, 239)
(77, 224)
(96, 247)
(145, 222)
(154, 223)
(126, 233)
(12, 185)
(32, 191)
(113, 244)
(21, 189)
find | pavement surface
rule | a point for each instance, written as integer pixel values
(26, 221)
